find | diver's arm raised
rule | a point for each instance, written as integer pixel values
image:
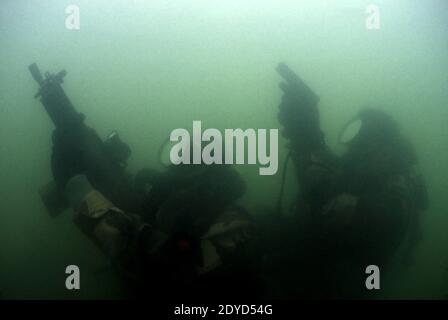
(298, 112)
(299, 115)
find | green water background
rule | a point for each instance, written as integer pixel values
(145, 68)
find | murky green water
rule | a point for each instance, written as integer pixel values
(145, 68)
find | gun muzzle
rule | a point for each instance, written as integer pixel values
(296, 83)
(35, 72)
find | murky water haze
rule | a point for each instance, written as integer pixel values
(144, 68)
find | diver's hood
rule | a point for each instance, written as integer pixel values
(368, 126)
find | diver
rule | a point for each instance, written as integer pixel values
(355, 210)
(198, 244)
(177, 232)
